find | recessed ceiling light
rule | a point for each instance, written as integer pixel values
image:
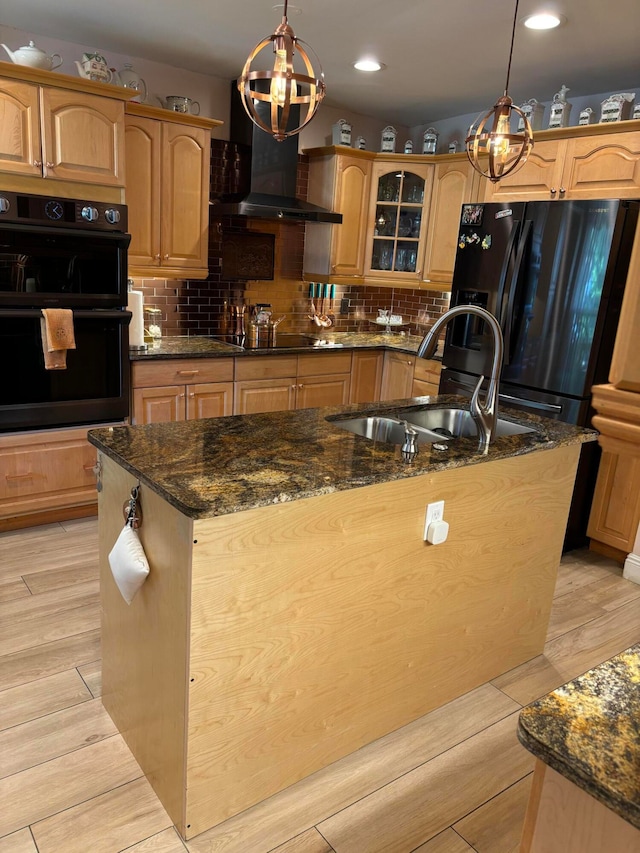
(368, 65)
(544, 21)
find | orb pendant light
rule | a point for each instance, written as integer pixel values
(281, 87)
(491, 137)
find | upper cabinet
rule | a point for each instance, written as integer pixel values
(167, 192)
(50, 132)
(340, 182)
(601, 161)
(397, 221)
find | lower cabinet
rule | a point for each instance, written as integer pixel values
(43, 472)
(397, 376)
(280, 383)
(426, 377)
(366, 376)
(181, 389)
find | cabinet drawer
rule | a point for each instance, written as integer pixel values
(266, 367)
(325, 363)
(47, 470)
(181, 371)
(427, 370)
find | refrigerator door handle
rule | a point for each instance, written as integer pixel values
(513, 289)
(530, 404)
(508, 253)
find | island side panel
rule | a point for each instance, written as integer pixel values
(322, 624)
(145, 643)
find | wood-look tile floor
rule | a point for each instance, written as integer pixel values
(455, 780)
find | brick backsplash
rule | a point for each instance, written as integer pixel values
(193, 307)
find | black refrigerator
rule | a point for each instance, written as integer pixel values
(553, 273)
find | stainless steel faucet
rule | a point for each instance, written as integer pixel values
(484, 413)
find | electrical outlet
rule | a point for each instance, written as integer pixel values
(435, 512)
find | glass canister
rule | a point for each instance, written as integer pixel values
(152, 324)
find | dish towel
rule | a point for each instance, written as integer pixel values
(56, 327)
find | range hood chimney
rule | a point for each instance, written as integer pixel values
(260, 173)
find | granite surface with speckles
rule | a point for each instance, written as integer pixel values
(193, 346)
(589, 731)
(217, 466)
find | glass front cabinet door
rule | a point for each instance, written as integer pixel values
(397, 222)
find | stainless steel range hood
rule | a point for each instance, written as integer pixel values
(260, 174)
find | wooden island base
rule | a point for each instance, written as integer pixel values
(268, 643)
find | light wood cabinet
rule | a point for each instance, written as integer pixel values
(397, 222)
(595, 162)
(426, 377)
(168, 157)
(280, 383)
(50, 132)
(44, 471)
(615, 510)
(454, 183)
(181, 389)
(397, 376)
(339, 181)
(366, 376)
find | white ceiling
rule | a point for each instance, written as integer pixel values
(444, 57)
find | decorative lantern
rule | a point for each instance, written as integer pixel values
(429, 141)
(388, 139)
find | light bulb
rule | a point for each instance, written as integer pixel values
(498, 143)
(279, 80)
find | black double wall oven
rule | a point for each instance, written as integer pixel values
(63, 253)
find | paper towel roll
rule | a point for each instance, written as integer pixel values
(135, 304)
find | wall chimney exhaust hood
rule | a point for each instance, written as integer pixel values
(260, 174)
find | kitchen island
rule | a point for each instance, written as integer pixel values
(293, 611)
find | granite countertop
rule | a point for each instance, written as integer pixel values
(217, 466)
(194, 346)
(589, 731)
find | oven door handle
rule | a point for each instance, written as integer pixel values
(79, 314)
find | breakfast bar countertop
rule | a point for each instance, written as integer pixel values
(217, 466)
(588, 730)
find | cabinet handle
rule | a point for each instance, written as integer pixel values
(29, 476)
(192, 394)
(37, 163)
(156, 257)
(188, 372)
(300, 387)
(181, 396)
(562, 190)
(50, 165)
(293, 387)
(166, 257)
(553, 191)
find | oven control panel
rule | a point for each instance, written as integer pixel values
(29, 209)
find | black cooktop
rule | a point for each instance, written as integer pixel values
(280, 341)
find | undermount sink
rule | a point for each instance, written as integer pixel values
(432, 425)
(458, 423)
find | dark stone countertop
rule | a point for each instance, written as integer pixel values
(217, 466)
(588, 730)
(194, 346)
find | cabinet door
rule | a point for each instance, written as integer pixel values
(397, 222)
(83, 137)
(143, 145)
(315, 391)
(353, 181)
(452, 186)
(20, 128)
(397, 376)
(159, 405)
(264, 395)
(539, 178)
(366, 377)
(185, 196)
(605, 166)
(212, 400)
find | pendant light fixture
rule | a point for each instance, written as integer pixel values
(280, 87)
(505, 151)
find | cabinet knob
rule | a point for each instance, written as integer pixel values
(562, 190)
(181, 396)
(192, 394)
(37, 163)
(553, 191)
(156, 257)
(50, 165)
(293, 387)
(166, 257)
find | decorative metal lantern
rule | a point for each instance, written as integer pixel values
(429, 141)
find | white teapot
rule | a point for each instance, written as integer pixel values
(130, 79)
(94, 67)
(33, 56)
